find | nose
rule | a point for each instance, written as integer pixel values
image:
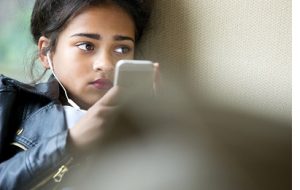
(104, 62)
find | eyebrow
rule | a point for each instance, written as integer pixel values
(98, 37)
(121, 38)
(88, 35)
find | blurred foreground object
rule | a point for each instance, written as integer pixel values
(174, 143)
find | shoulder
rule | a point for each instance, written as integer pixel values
(9, 84)
(20, 98)
(48, 90)
(25, 99)
(27, 105)
(6, 84)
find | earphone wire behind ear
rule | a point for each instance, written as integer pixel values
(71, 102)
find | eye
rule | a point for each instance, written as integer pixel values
(122, 49)
(85, 46)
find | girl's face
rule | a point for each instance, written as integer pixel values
(88, 49)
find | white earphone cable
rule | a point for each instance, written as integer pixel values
(71, 102)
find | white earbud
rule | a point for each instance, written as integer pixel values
(71, 102)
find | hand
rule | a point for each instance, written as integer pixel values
(92, 127)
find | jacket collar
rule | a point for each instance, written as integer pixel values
(49, 89)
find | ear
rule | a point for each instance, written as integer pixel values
(43, 43)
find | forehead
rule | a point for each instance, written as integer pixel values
(102, 18)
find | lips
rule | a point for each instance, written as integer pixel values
(102, 84)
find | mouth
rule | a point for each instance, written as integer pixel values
(102, 84)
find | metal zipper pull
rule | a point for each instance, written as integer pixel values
(59, 175)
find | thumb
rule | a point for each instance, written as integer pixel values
(111, 97)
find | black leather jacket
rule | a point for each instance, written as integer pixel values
(33, 135)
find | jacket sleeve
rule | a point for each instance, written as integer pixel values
(46, 163)
(8, 120)
(47, 156)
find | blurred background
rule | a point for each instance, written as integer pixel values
(233, 60)
(236, 53)
(16, 46)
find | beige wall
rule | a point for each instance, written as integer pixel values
(237, 52)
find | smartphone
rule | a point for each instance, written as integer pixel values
(135, 75)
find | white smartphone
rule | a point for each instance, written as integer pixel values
(136, 75)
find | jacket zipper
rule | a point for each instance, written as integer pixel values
(19, 145)
(56, 176)
(60, 173)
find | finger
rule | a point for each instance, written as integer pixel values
(111, 97)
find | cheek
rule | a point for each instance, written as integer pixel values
(66, 58)
(77, 69)
(71, 67)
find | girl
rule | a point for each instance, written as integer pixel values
(79, 41)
